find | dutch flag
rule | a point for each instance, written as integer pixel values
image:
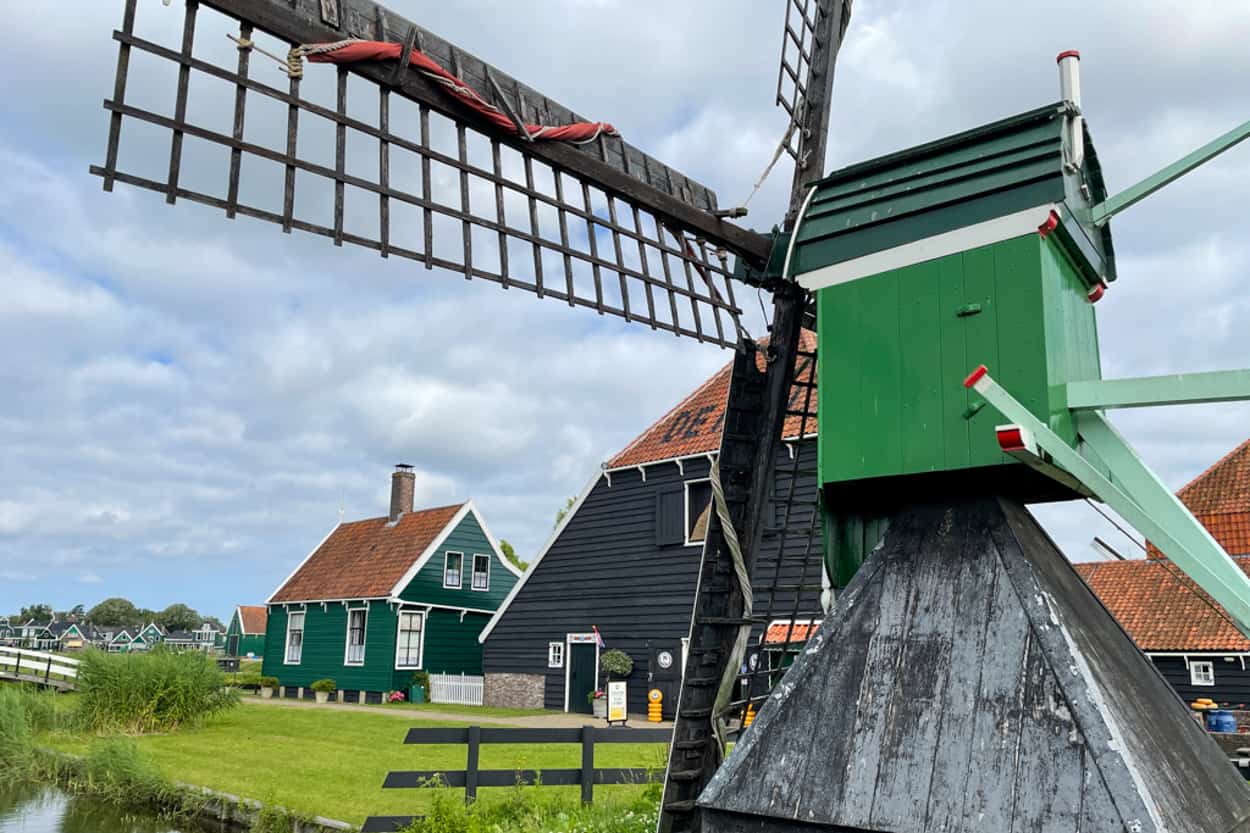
(598, 636)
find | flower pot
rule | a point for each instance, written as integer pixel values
(266, 692)
(600, 706)
(322, 696)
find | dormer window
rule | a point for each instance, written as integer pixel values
(481, 572)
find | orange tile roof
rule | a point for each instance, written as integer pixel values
(694, 425)
(780, 632)
(365, 559)
(253, 618)
(1161, 608)
(1220, 500)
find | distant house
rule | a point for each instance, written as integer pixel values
(209, 638)
(1187, 635)
(8, 635)
(245, 635)
(625, 560)
(380, 599)
(38, 636)
(73, 636)
(180, 640)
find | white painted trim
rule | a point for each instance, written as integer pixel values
(1193, 673)
(494, 542)
(304, 603)
(444, 533)
(555, 535)
(364, 633)
(424, 613)
(286, 644)
(685, 489)
(680, 461)
(459, 575)
(473, 572)
(930, 248)
(313, 552)
(559, 662)
(568, 659)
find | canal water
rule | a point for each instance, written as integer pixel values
(31, 808)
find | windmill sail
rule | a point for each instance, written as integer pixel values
(598, 224)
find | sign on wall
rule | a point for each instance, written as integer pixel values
(617, 701)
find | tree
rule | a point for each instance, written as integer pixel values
(40, 613)
(510, 554)
(114, 611)
(568, 504)
(215, 622)
(178, 617)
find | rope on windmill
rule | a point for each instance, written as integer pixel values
(730, 674)
(352, 50)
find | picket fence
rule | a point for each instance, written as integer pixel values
(457, 689)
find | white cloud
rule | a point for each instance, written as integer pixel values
(186, 392)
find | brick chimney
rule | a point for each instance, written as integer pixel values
(403, 485)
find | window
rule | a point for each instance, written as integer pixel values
(481, 572)
(698, 510)
(555, 654)
(1202, 673)
(355, 654)
(294, 638)
(453, 567)
(408, 643)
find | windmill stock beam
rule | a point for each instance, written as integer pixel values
(618, 168)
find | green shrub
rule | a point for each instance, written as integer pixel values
(156, 691)
(268, 682)
(323, 686)
(617, 663)
(244, 679)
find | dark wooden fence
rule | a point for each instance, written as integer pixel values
(472, 777)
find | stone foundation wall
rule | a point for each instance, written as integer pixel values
(514, 691)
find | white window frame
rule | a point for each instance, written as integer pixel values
(685, 527)
(286, 648)
(399, 629)
(555, 654)
(1202, 679)
(364, 636)
(473, 573)
(447, 557)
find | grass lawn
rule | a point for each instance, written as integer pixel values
(332, 762)
(467, 711)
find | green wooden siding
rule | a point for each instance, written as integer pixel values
(450, 646)
(958, 181)
(467, 538)
(894, 350)
(248, 643)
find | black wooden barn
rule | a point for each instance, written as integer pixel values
(625, 560)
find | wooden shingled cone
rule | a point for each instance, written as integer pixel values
(967, 680)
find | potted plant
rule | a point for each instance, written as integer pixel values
(267, 686)
(322, 689)
(419, 691)
(598, 702)
(616, 663)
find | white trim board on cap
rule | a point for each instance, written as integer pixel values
(930, 248)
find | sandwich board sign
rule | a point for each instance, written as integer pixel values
(617, 699)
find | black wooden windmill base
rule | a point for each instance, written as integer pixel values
(968, 680)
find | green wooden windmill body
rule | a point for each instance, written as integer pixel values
(974, 249)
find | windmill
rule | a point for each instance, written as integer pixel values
(517, 189)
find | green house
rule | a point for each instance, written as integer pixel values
(380, 599)
(245, 635)
(974, 249)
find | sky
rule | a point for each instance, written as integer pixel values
(191, 402)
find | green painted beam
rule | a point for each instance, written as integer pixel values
(1148, 391)
(1138, 496)
(1112, 206)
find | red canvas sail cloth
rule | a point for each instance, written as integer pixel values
(351, 51)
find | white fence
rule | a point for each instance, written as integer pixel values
(457, 689)
(36, 663)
